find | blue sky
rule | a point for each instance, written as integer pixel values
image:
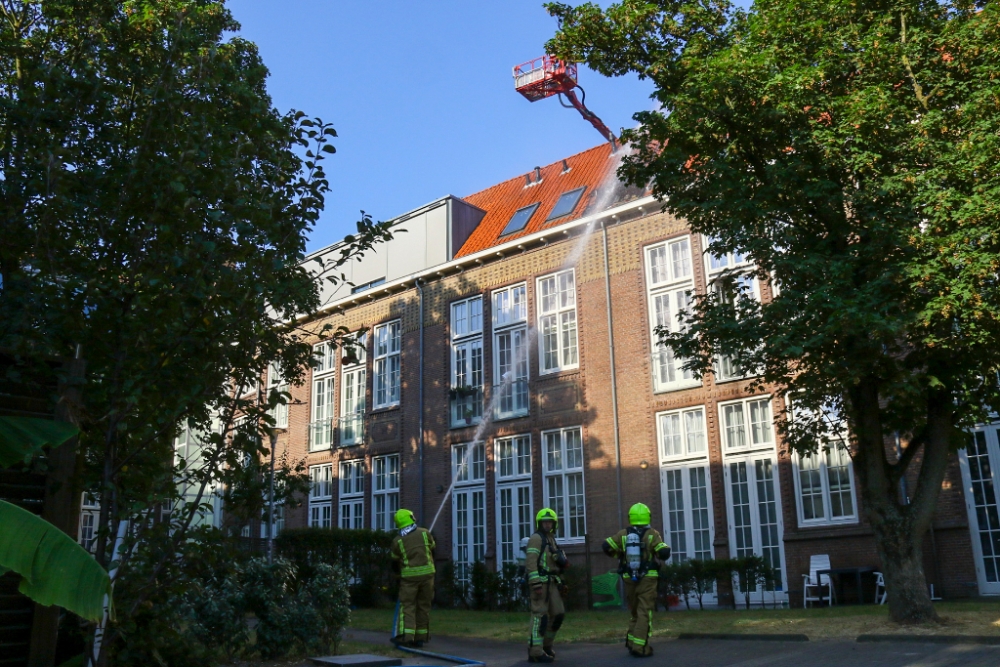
(422, 97)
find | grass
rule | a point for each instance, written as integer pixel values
(846, 622)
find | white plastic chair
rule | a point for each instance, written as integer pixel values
(880, 585)
(817, 582)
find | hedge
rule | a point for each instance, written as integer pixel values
(363, 554)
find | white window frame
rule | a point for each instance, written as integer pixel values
(754, 500)
(352, 494)
(387, 346)
(693, 429)
(515, 519)
(823, 455)
(725, 369)
(323, 397)
(468, 467)
(669, 271)
(749, 432)
(564, 471)
(510, 305)
(557, 318)
(687, 551)
(467, 339)
(277, 382)
(321, 495)
(353, 377)
(385, 491)
(467, 317)
(510, 319)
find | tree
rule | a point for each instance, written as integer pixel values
(155, 213)
(850, 150)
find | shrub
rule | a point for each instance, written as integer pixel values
(362, 554)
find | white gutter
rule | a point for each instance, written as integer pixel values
(487, 254)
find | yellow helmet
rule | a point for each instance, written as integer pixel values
(546, 514)
(639, 515)
(404, 518)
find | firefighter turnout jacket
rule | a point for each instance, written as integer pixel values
(653, 551)
(413, 548)
(544, 560)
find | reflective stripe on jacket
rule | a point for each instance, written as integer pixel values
(651, 543)
(415, 551)
(538, 562)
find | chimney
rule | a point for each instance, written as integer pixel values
(527, 179)
(538, 174)
(565, 167)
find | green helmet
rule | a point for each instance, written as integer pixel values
(638, 515)
(546, 514)
(404, 518)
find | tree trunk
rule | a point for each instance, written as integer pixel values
(900, 549)
(900, 525)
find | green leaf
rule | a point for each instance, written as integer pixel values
(54, 568)
(22, 437)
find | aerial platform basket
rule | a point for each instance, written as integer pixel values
(544, 77)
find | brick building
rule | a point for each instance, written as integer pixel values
(554, 280)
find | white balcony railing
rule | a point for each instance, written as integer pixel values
(320, 435)
(352, 429)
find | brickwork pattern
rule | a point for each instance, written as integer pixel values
(582, 397)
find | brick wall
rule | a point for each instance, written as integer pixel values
(582, 397)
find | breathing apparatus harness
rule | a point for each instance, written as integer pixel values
(631, 562)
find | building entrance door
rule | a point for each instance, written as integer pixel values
(755, 526)
(979, 462)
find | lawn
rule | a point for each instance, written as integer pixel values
(960, 618)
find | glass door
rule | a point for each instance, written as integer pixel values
(514, 520)
(979, 461)
(755, 527)
(687, 514)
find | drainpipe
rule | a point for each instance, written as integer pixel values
(614, 376)
(420, 403)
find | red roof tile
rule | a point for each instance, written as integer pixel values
(587, 169)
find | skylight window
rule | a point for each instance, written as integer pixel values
(567, 202)
(519, 220)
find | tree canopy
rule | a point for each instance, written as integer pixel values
(156, 208)
(850, 149)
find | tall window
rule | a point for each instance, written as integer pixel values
(352, 494)
(510, 352)
(321, 422)
(387, 364)
(468, 507)
(745, 284)
(686, 481)
(385, 491)
(466, 406)
(277, 383)
(352, 397)
(557, 322)
(563, 468)
(321, 495)
(753, 502)
(90, 511)
(514, 508)
(669, 284)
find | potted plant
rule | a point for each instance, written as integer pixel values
(461, 392)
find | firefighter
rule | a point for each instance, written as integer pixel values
(412, 553)
(640, 550)
(544, 563)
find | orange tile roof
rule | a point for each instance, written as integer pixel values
(587, 169)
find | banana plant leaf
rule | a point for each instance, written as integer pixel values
(54, 568)
(21, 437)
